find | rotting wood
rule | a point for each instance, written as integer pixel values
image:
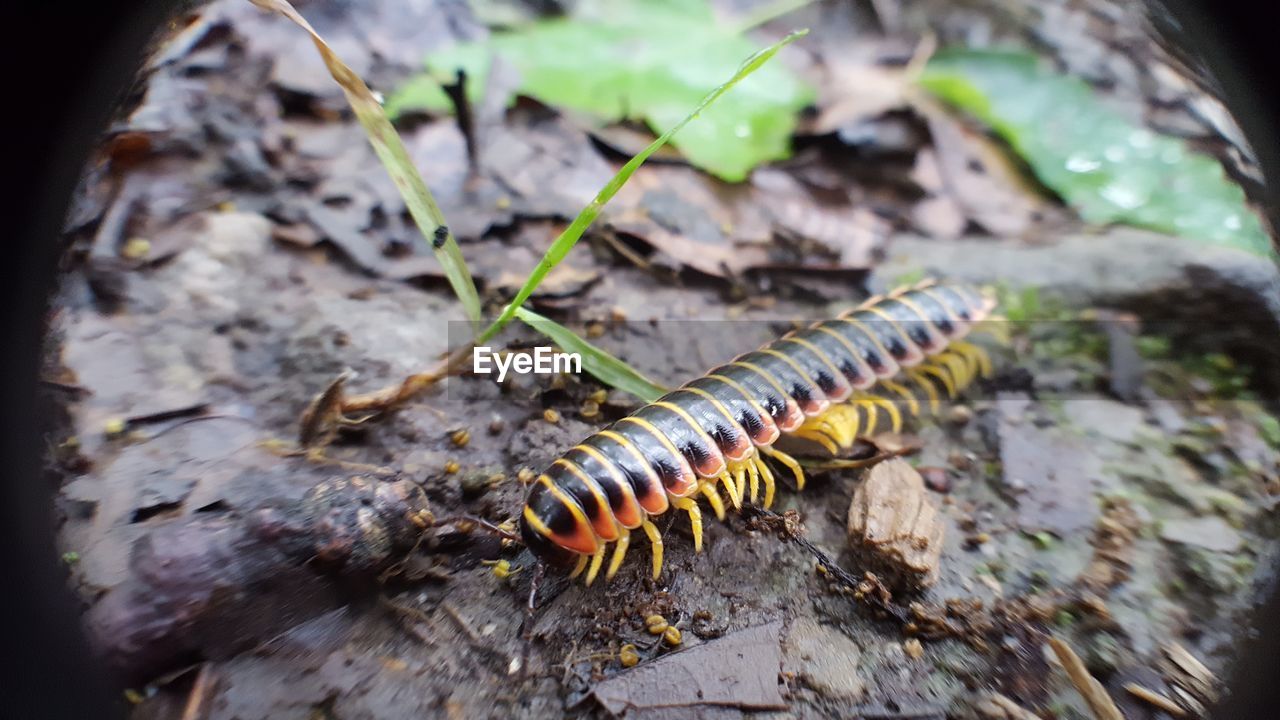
(894, 526)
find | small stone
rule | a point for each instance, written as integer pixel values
(913, 648)
(551, 415)
(959, 415)
(936, 479)
(451, 467)
(460, 438)
(824, 658)
(496, 426)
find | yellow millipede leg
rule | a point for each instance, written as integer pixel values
(753, 473)
(913, 405)
(582, 565)
(895, 417)
(731, 487)
(959, 367)
(740, 482)
(655, 542)
(695, 519)
(819, 437)
(767, 476)
(796, 471)
(619, 552)
(596, 561)
(931, 393)
(942, 371)
(709, 490)
(976, 355)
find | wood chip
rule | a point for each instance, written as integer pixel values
(1103, 707)
(895, 527)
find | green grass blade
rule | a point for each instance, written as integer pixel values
(567, 239)
(391, 151)
(605, 367)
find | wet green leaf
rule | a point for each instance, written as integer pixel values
(605, 367)
(650, 60)
(1106, 167)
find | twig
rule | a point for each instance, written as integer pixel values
(1103, 707)
(464, 518)
(1155, 699)
(791, 531)
(452, 612)
(161, 416)
(197, 706)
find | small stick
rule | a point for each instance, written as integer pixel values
(196, 707)
(182, 412)
(530, 607)
(461, 621)
(1103, 707)
(1155, 699)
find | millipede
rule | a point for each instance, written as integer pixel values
(827, 384)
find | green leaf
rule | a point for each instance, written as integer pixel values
(649, 60)
(391, 151)
(1106, 167)
(605, 367)
(561, 246)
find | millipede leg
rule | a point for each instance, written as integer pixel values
(976, 355)
(819, 437)
(713, 496)
(797, 472)
(619, 552)
(655, 542)
(740, 482)
(767, 476)
(942, 371)
(695, 519)
(582, 565)
(596, 561)
(913, 405)
(917, 376)
(730, 486)
(753, 474)
(895, 417)
(959, 366)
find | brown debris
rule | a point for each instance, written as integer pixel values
(1112, 540)
(895, 527)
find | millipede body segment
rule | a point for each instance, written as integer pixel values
(829, 384)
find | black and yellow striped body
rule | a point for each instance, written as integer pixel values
(715, 431)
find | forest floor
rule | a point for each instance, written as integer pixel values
(1113, 485)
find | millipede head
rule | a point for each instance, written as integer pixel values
(544, 549)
